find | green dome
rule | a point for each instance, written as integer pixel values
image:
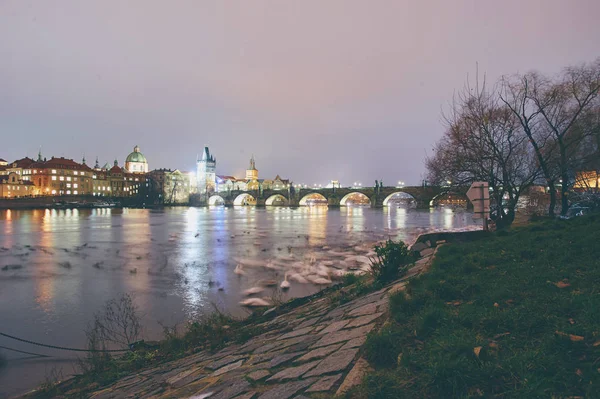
(136, 156)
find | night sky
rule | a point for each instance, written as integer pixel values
(316, 90)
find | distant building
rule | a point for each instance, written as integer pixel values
(252, 172)
(116, 181)
(230, 183)
(3, 162)
(13, 186)
(136, 162)
(169, 186)
(587, 180)
(206, 173)
(57, 176)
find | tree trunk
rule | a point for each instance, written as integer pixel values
(552, 189)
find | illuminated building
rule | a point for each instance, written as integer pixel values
(3, 162)
(58, 176)
(205, 173)
(13, 186)
(230, 183)
(252, 182)
(252, 172)
(136, 162)
(116, 181)
(169, 186)
(587, 180)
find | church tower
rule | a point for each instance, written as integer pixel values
(206, 173)
(252, 172)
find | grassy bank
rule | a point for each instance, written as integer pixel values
(515, 314)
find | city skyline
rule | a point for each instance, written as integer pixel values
(356, 97)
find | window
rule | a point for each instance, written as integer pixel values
(53, 177)
(53, 192)
(82, 173)
(75, 173)
(53, 171)
(75, 185)
(68, 178)
(75, 192)
(68, 185)
(61, 178)
(68, 192)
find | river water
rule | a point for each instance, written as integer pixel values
(58, 267)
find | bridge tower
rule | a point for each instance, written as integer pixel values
(252, 172)
(206, 172)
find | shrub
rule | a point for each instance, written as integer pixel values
(382, 348)
(390, 261)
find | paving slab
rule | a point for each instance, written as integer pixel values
(309, 322)
(361, 321)
(318, 353)
(224, 362)
(354, 377)
(337, 361)
(280, 359)
(335, 326)
(355, 342)
(247, 395)
(296, 333)
(258, 375)
(344, 335)
(367, 309)
(228, 368)
(285, 391)
(324, 384)
(293, 372)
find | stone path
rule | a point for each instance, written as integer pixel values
(312, 350)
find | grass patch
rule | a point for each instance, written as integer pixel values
(514, 315)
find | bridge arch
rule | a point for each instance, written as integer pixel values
(216, 200)
(313, 199)
(399, 196)
(244, 199)
(276, 200)
(355, 198)
(451, 199)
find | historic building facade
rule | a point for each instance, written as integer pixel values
(136, 162)
(57, 176)
(169, 186)
(206, 173)
(116, 181)
(13, 186)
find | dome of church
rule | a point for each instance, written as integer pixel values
(136, 156)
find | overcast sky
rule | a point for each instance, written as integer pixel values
(316, 90)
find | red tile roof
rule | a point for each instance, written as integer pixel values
(24, 162)
(59, 163)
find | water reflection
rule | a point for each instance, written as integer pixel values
(176, 261)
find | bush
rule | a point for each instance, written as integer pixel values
(382, 348)
(390, 261)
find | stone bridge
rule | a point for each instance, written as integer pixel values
(424, 196)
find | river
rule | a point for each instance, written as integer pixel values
(58, 267)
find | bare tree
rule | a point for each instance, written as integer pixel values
(484, 141)
(117, 323)
(549, 112)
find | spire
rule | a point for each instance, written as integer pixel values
(97, 166)
(206, 154)
(252, 163)
(116, 163)
(39, 158)
(83, 160)
(136, 149)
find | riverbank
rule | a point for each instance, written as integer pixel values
(508, 314)
(514, 314)
(310, 344)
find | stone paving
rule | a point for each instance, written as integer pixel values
(312, 350)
